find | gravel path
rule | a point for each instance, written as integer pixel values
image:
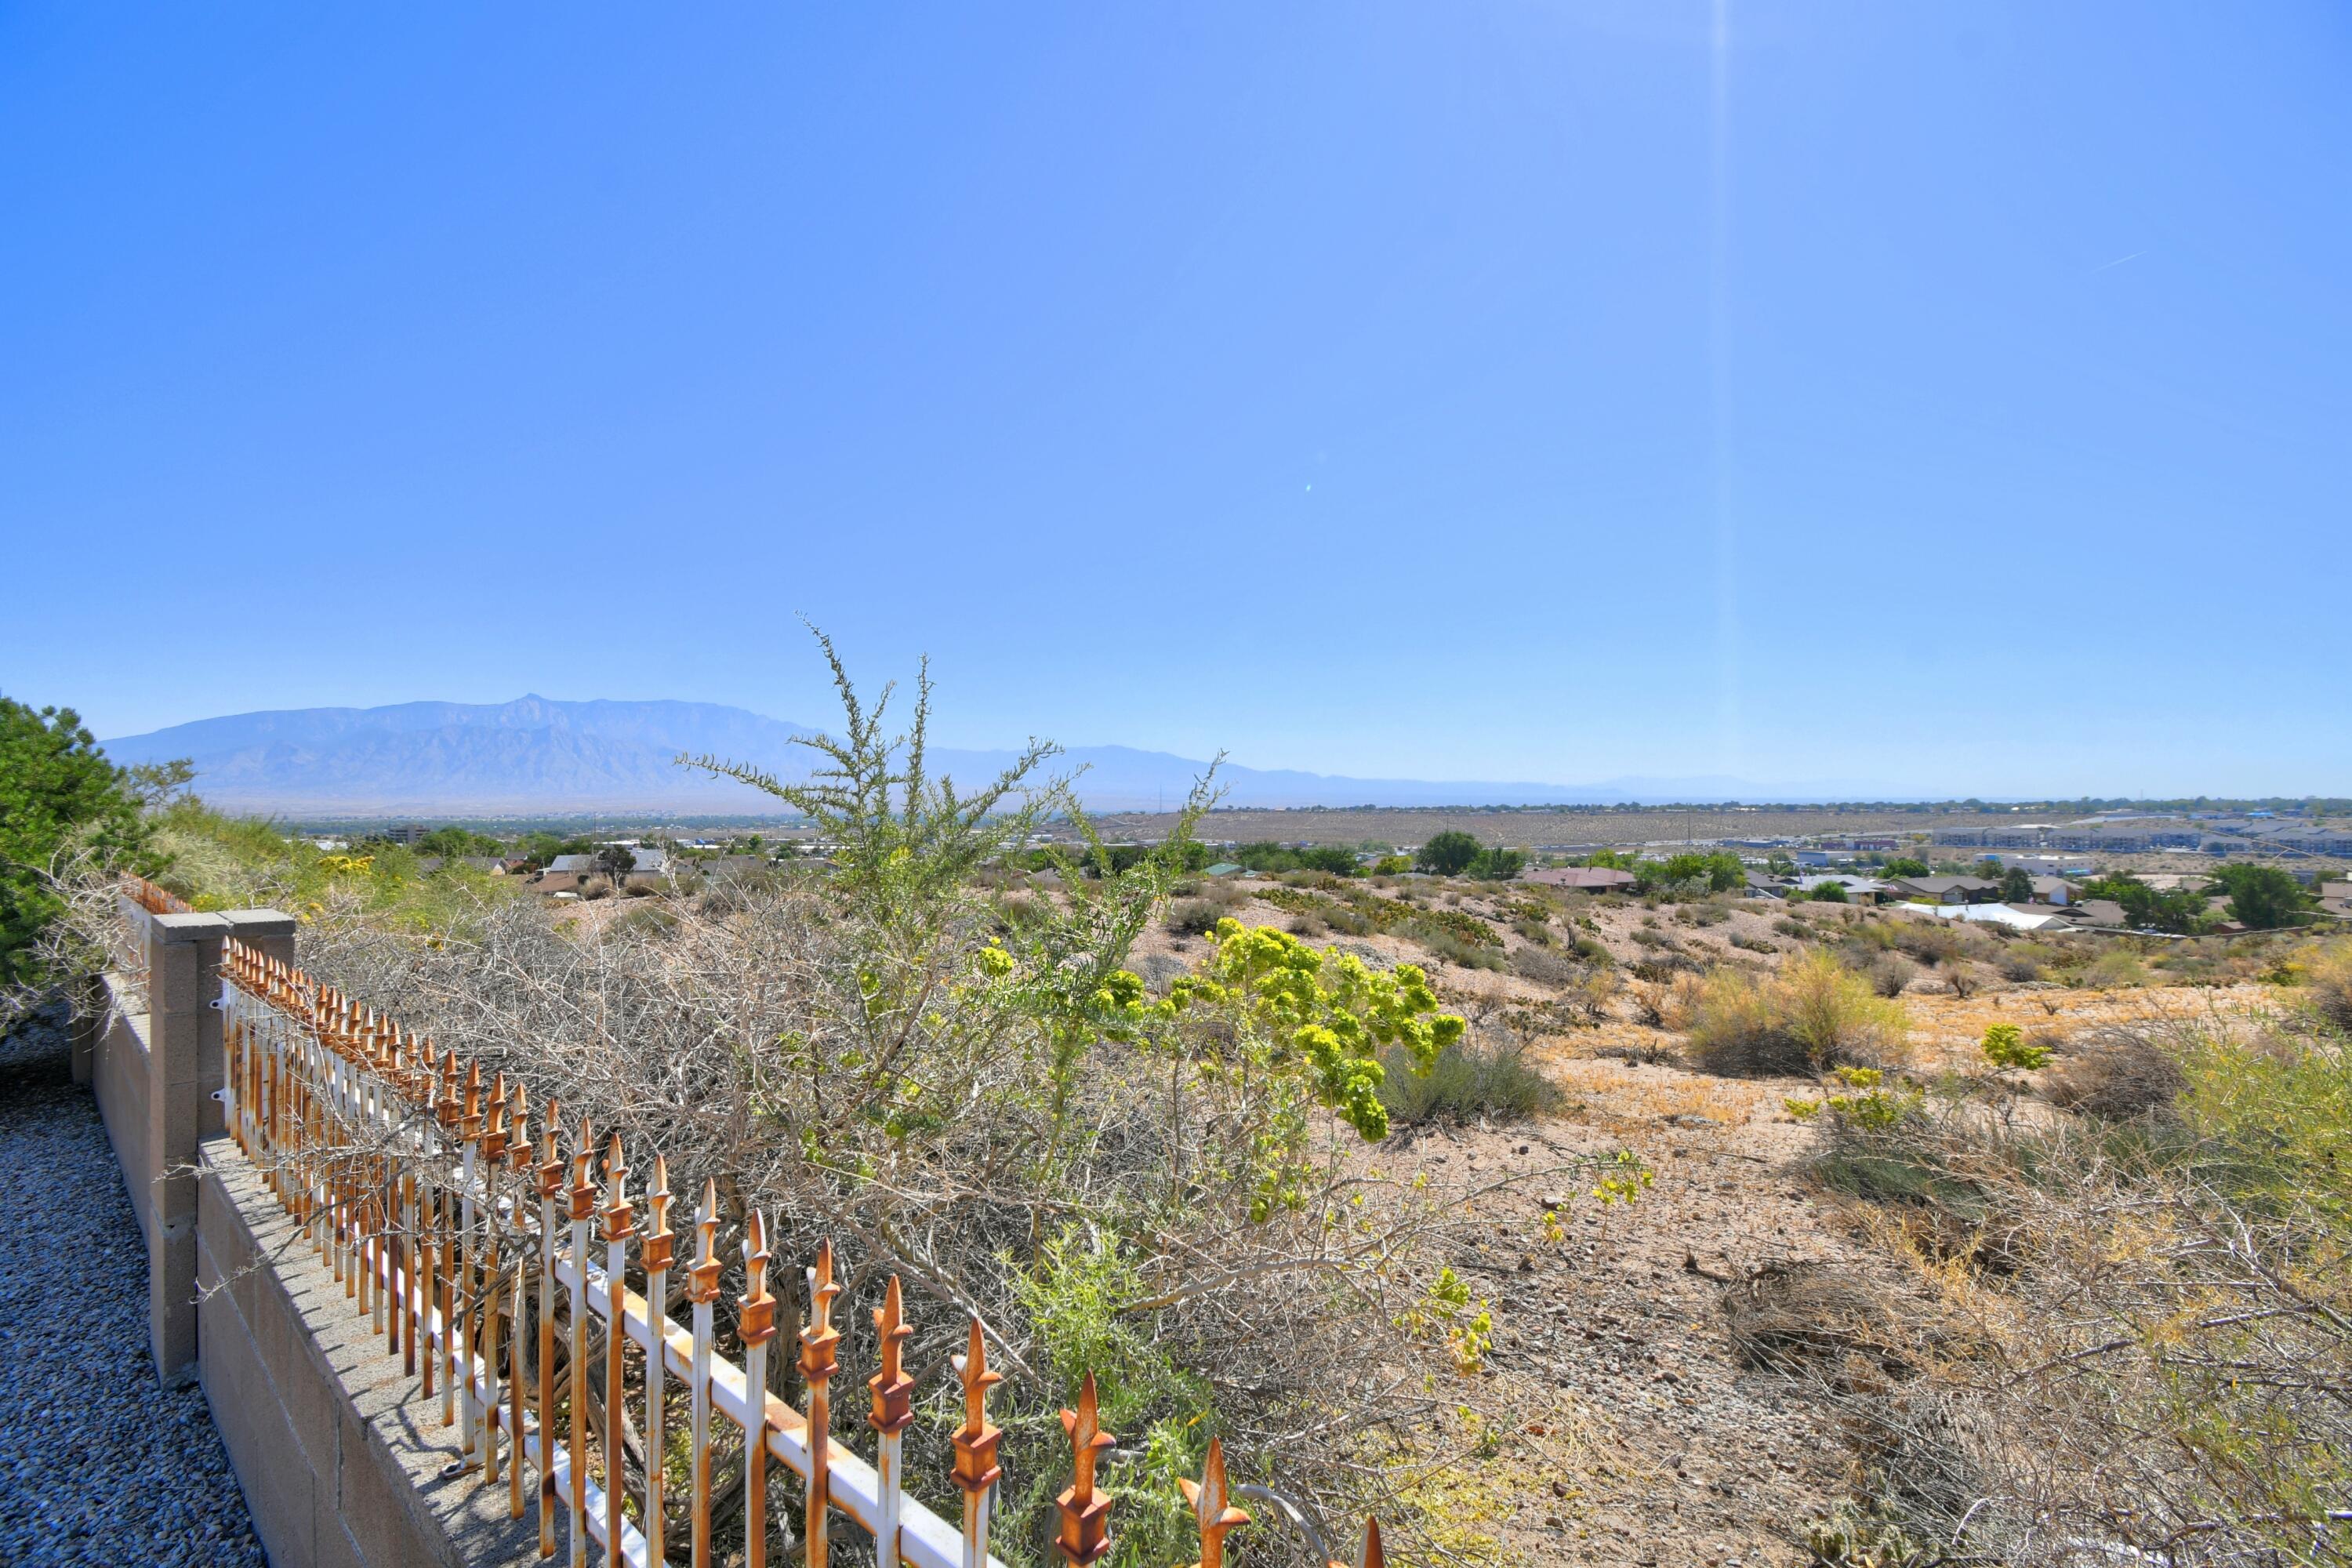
(97, 1464)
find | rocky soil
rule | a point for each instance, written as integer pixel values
(98, 1464)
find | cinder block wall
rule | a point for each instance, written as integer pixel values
(341, 1461)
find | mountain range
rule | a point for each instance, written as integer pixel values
(537, 754)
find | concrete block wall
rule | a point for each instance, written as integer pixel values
(342, 1462)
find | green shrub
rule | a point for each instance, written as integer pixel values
(1462, 928)
(2005, 1045)
(1452, 948)
(1467, 1083)
(1194, 917)
(2116, 967)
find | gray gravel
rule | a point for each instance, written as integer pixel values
(97, 1464)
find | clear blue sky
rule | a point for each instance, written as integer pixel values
(1945, 397)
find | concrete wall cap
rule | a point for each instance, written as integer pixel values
(260, 923)
(189, 928)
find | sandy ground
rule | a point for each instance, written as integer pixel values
(1634, 1435)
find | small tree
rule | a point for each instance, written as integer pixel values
(2017, 885)
(58, 793)
(1497, 864)
(616, 862)
(2262, 898)
(1448, 854)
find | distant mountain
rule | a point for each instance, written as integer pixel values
(538, 754)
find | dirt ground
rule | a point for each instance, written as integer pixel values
(1633, 1434)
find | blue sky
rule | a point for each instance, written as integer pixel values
(1941, 398)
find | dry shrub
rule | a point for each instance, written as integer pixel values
(1545, 967)
(2116, 1074)
(1194, 917)
(2149, 1365)
(2329, 975)
(1888, 974)
(1796, 1317)
(2021, 963)
(1815, 1014)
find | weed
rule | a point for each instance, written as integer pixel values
(1469, 1082)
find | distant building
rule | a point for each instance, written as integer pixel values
(1582, 878)
(1946, 889)
(1858, 890)
(2055, 890)
(2017, 917)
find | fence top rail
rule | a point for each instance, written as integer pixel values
(472, 1130)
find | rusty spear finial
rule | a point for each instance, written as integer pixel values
(583, 1187)
(893, 1391)
(619, 1213)
(703, 1276)
(819, 1339)
(1085, 1517)
(655, 1251)
(1211, 1509)
(759, 1314)
(976, 1468)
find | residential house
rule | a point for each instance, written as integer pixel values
(2055, 890)
(1858, 890)
(1946, 889)
(570, 873)
(2104, 914)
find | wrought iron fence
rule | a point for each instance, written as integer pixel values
(461, 1225)
(155, 900)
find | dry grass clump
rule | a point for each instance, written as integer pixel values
(2329, 975)
(1194, 917)
(1813, 1014)
(1810, 1316)
(2116, 1074)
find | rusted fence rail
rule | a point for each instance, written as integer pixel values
(468, 1231)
